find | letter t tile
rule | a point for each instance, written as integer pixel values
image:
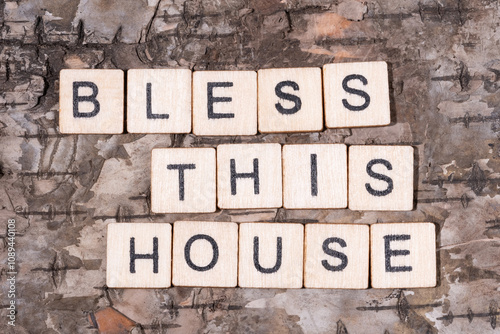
(183, 180)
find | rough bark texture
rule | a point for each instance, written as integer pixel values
(64, 189)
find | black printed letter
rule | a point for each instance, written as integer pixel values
(314, 175)
(134, 256)
(187, 252)
(285, 96)
(256, 263)
(378, 176)
(211, 99)
(334, 253)
(361, 93)
(181, 168)
(398, 252)
(149, 108)
(254, 176)
(89, 98)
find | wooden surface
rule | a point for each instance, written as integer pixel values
(213, 254)
(236, 116)
(97, 106)
(63, 190)
(183, 180)
(403, 255)
(271, 255)
(356, 94)
(339, 272)
(298, 107)
(169, 98)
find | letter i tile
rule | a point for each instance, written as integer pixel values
(271, 255)
(138, 255)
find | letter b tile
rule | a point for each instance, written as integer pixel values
(205, 254)
(183, 180)
(91, 101)
(271, 255)
(403, 255)
(138, 255)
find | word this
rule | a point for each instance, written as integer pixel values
(271, 255)
(224, 103)
(301, 176)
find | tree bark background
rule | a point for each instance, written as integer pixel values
(64, 189)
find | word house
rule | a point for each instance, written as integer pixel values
(224, 103)
(302, 176)
(271, 255)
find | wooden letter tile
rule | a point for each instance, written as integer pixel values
(290, 100)
(356, 94)
(271, 255)
(159, 101)
(381, 178)
(315, 176)
(183, 180)
(91, 101)
(205, 254)
(249, 176)
(138, 255)
(403, 255)
(224, 103)
(336, 256)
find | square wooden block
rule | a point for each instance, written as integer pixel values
(381, 178)
(249, 176)
(271, 255)
(315, 176)
(290, 100)
(183, 180)
(336, 256)
(224, 103)
(403, 255)
(159, 101)
(91, 101)
(356, 94)
(138, 255)
(205, 254)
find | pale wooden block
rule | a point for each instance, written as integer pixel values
(183, 180)
(403, 255)
(224, 103)
(249, 176)
(356, 94)
(315, 176)
(205, 254)
(271, 255)
(138, 255)
(91, 101)
(390, 186)
(336, 256)
(290, 100)
(159, 101)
